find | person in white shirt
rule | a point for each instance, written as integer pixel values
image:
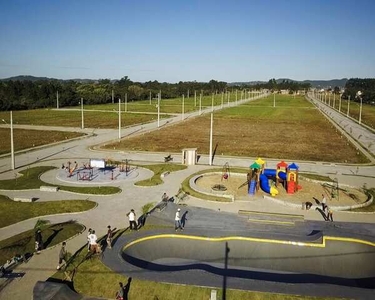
(177, 220)
(92, 241)
(132, 223)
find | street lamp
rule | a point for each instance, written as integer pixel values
(359, 94)
(11, 140)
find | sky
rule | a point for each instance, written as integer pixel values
(188, 40)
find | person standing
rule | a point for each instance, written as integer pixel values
(324, 203)
(329, 214)
(38, 241)
(132, 223)
(62, 256)
(120, 292)
(177, 220)
(88, 240)
(109, 237)
(92, 241)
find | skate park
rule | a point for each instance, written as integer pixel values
(198, 225)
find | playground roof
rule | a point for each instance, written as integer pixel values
(282, 164)
(255, 166)
(293, 166)
(260, 161)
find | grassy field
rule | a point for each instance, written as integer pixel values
(12, 212)
(25, 242)
(368, 112)
(72, 118)
(158, 170)
(371, 207)
(293, 130)
(93, 278)
(30, 179)
(25, 139)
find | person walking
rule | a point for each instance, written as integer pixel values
(92, 241)
(120, 292)
(38, 241)
(88, 240)
(132, 223)
(62, 256)
(324, 203)
(177, 220)
(329, 214)
(109, 237)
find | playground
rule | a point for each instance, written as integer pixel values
(283, 183)
(96, 171)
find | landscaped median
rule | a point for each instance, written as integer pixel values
(158, 170)
(12, 212)
(24, 242)
(30, 179)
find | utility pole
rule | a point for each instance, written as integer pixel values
(222, 99)
(188, 94)
(211, 129)
(212, 102)
(183, 107)
(274, 100)
(347, 113)
(150, 97)
(113, 97)
(200, 104)
(236, 97)
(340, 103)
(159, 96)
(195, 98)
(119, 118)
(57, 99)
(82, 119)
(13, 164)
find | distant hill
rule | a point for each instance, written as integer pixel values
(34, 78)
(314, 83)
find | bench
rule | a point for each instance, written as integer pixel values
(24, 199)
(181, 196)
(45, 188)
(168, 158)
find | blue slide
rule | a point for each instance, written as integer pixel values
(264, 184)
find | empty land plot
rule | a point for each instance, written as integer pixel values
(25, 139)
(368, 112)
(288, 131)
(73, 118)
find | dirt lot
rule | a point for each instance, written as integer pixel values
(301, 133)
(308, 191)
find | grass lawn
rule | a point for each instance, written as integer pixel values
(25, 139)
(25, 242)
(368, 112)
(371, 207)
(31, 180)
(316, 177)
(93, 278)
(72, 118)
(293, 130)
(158, 170)
(13, 211)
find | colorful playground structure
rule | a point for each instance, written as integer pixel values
(284, 174)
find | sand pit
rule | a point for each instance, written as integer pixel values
(351, 196)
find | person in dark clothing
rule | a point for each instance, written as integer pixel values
(308, 205)
(62, 256)
(38, 241)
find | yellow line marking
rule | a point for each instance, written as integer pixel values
(248, 212)
(251, 239)
(285, 223)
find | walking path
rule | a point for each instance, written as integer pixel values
(111, 210)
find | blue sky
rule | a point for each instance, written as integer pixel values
(188, 40)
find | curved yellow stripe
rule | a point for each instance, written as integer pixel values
(251, 239)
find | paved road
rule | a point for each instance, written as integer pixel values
(112, 209)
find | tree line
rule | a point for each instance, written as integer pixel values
(27, 94)
(365, 85)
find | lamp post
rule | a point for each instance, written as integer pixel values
(11, 141)
(211, 130)
(159, 96)
(359, 94)
(347, 113)
(274, 100)
(200, 104)
(119, 119)
(82, 119)
(183, 107)
(340, 103)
